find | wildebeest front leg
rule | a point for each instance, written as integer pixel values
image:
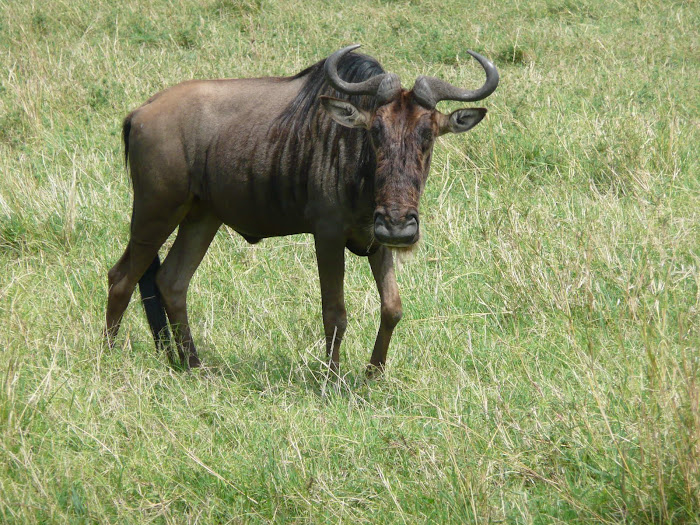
(330, 255)
(382, 264)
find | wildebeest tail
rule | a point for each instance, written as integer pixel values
(126, 129)
(153, 305)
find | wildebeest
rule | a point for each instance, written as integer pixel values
(279, 156)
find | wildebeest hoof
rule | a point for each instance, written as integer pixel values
(374, 371)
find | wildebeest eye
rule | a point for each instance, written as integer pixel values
(376, 131)
(426, 137)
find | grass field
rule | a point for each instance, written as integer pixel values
(547, 369)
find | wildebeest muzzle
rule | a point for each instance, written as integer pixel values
(396, 228)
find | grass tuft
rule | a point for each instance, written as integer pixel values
(514, 55)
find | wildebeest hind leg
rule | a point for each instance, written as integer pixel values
(149, 230)
(193, 238)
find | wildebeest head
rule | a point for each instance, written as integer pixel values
(402, 131)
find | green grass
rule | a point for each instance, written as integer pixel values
(547, 369)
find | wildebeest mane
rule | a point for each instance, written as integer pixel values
(304, 133)
(353, 67)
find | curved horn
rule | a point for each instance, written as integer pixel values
(430, 90)
(384, 86)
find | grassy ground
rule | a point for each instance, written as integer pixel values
(548, 365)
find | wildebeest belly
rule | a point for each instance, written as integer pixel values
(258, 207)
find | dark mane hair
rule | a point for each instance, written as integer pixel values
(298, 128)
(353, 67)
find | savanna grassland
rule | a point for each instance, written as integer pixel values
(547, 369)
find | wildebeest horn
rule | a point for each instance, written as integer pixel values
(430, 90)
(384, 86)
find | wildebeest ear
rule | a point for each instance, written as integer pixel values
(345, 113)
(461, 120)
